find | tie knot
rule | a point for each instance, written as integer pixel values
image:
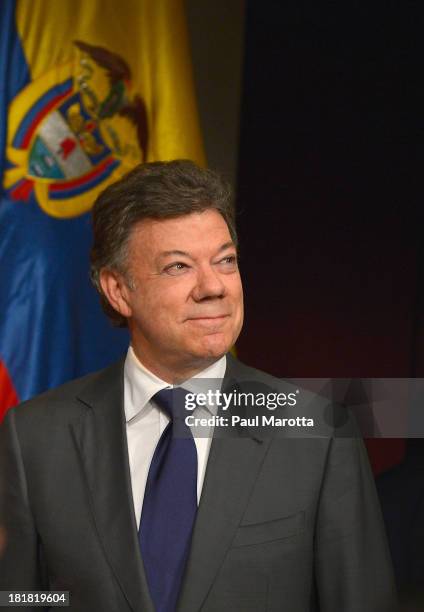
(172, 401)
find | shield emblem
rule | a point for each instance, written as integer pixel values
(71, 134)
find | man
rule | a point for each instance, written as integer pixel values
(104, 501)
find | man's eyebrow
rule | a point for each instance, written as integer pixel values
(228, 245)
(174, 252)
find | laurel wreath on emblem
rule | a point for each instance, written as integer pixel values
(73, 131)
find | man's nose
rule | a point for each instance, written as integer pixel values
(209, 284)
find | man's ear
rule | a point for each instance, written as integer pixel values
(116, 291)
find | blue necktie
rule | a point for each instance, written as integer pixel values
(170, 504)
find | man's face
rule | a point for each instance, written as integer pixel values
(186, 309)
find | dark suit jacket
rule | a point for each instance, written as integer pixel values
(401, 492)
(284, 524)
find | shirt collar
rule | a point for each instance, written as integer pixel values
(141, 384)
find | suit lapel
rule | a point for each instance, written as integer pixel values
(233, 465)
(102, 443)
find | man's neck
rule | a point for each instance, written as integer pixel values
(171, 374)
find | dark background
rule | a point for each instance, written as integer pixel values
(330, 195)
(331, 214)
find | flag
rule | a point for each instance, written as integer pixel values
(87, 91)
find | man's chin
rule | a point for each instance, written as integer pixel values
(214, 347)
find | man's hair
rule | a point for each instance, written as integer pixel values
(156, 190)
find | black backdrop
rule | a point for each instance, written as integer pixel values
(330, 203)
(330, 193)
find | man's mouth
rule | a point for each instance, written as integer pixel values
(208, 317)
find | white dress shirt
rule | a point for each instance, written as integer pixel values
(146, 422)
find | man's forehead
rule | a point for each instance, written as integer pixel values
(178, 235)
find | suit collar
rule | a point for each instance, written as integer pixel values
(101, 440)
(240, 378)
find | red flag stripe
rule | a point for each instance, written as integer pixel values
(385, 453)
(8, 395)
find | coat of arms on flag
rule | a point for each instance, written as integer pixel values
(74, 130)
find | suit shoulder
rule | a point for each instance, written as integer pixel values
(241, 372)
(63, 400)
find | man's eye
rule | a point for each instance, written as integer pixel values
(230, 260)
(176, 268)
